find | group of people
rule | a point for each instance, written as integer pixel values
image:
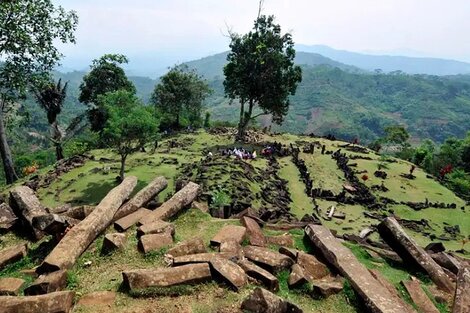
(240, 153)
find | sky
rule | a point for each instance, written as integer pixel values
(161, 33)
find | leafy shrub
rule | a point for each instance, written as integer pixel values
(220, 198)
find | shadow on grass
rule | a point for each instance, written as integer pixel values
(94, 193)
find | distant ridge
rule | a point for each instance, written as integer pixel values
(388, 63)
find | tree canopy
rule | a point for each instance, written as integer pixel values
(261, 71)
(129, 124)
(106, 75)
(28, 33)
(181, 92)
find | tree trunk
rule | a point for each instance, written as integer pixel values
(77, 240)
(57, 140)
(245, 118)
(123, 166)
(241, 128)
(9, 168)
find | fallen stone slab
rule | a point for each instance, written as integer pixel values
(393, 291)
(12, 254)
(52, 282)
(227, 233)
(80, 212)
(419, 297)
(98, 298)
(232, 274)
(264, 301)
(313, 269)
(199, 258)
(282, 240)
(112, 242)
(24, 203)
(141, 198)
(384, 254)
(7, 217)
(260, 274)
(435, 247)
(156, 227)
(130, 220)
(154, 242)
(10, 286)
(166, 277)
(77, 239)
(56, 302)
(254, 232)
(53, 224)
(375, 296)
(268, 259)
(168, 209)
(232, 247)
(327, 287)
(447, 261)
(296, 277)
(462, 292)
(192, 246)
(391, 231)
(291, 253)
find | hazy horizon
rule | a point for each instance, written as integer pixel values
(166, 32)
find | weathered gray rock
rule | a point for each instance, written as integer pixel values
(166, 277)
(375, 296)
(112, 242)
(56, 302)
(291, 253)
(232, 274)
(263, 301)
(12, 254)
(282, 240)
(232, 247)
(254, 233)
(130, 220)
(391, 288)
(260, 274)
(154, 242)
(327, 287)
(391, 231)
(141, 198)
(80, 212)
(10, 286)
(180, 200)
(192, 246)
(52, 282)
(199, 258)
(77, 240)
(296, 277)
(25, 204)
(313, 269)
(7, 217)
(228, 233)
(267, 259)
(419, 297)
(156, 227)
(462, 292)
(447, 261)
(53, 224)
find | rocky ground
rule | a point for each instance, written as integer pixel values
(319, 225)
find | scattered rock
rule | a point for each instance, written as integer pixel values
(447, 261)
(268, 259)
(254, 232)
(154, 242)
(56, 302)
(199, 258)
(156, 227)
(10, 286)
(263, 301)
(166, 277)
(462, 292)
(282, 240)
(192, 246)
(327, 287)
(115, 241)
(55, 281)
(232, 247)
(291, 253)
(313, 269)
(435, 247)
(7, 217)
(229, 232)
(231, 273)
(123, 224)
(12, 254)
(80, 212)
(260, 274)
(297, 277)
(419, 297)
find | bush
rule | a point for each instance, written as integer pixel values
(459, 182)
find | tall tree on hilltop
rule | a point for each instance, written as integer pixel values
(28, 31)
(260, 72)
(106, 75)
(129, 125)
(180, 92)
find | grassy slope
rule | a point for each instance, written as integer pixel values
(87, 185)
